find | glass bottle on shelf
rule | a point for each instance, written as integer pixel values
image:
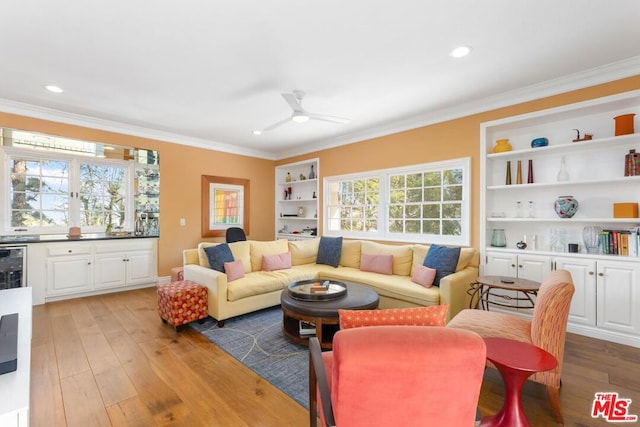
(519, 211)
(563, 175)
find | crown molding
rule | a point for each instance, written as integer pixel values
(594, 76)
(615, 71)
(29, 110)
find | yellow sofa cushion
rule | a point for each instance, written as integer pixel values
(258, 249)
(402, 255)
(239, 250)
(303, 251)
(351, 252)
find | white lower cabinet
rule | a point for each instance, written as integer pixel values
(69, 269)
(117, 269)
(524, 266)
(583, 303)
(99, 265)
(618, 297)
(606, 302)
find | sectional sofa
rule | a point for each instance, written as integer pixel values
(259, 286)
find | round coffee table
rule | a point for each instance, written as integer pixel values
(323, 314)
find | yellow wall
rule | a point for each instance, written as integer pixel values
(181, 166)
(446, 140)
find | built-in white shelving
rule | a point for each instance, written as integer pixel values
(297, 200)
(606, 304)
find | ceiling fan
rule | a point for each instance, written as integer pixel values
(299, 114)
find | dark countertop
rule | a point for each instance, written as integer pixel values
(49, 238)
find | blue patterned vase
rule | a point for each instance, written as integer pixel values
(566, 206)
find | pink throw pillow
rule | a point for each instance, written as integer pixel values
(423, 276)
(377, 263)
(433, 315)
(276, 262)
(234, 270)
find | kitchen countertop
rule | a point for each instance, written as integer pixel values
(48, 238)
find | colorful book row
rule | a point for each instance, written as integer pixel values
(620, 242)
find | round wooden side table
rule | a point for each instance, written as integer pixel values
(487, 290)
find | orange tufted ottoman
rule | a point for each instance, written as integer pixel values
(182, 302)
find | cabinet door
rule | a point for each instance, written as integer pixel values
(141, 267)
(110, 270)
(618, 296)
(501, 264)
(533, 267)
(583, 303)
(68, 274)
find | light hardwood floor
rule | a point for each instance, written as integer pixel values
(109, 361)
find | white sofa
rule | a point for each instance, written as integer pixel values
(261, 289)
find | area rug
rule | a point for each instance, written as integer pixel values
(256, 340)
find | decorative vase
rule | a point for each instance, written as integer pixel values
(632, 163)
(530, 174)
(498, 238)
(563, 175)
(624, 124)
(539, 142)
(519, 172)
(288, 177)
(566, 206)
(591, 238)
(502, 146)
(507, 179)
(312, 174)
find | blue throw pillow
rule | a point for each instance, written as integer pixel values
(443, 259)
(329, 251)
(217, 255)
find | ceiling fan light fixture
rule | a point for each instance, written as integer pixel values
(299, 117)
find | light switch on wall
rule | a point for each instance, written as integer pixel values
(183, 222)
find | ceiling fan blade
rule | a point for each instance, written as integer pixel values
(326, 118)
(293, 101)
(275, 125)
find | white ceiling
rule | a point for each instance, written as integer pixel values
(209, 72)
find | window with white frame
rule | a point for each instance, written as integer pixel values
(429, 202)
(47, 192)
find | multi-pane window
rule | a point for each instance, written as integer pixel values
(354, 206)
(428, 202)
(102, 195)
(39, 193)
(50, 193)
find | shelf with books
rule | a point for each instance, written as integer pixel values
(591, 172)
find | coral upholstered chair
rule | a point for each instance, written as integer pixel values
(547, 328)
(397, 376)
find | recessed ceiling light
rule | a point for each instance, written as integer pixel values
(54, 88)
(257, 132)
(460, 51)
